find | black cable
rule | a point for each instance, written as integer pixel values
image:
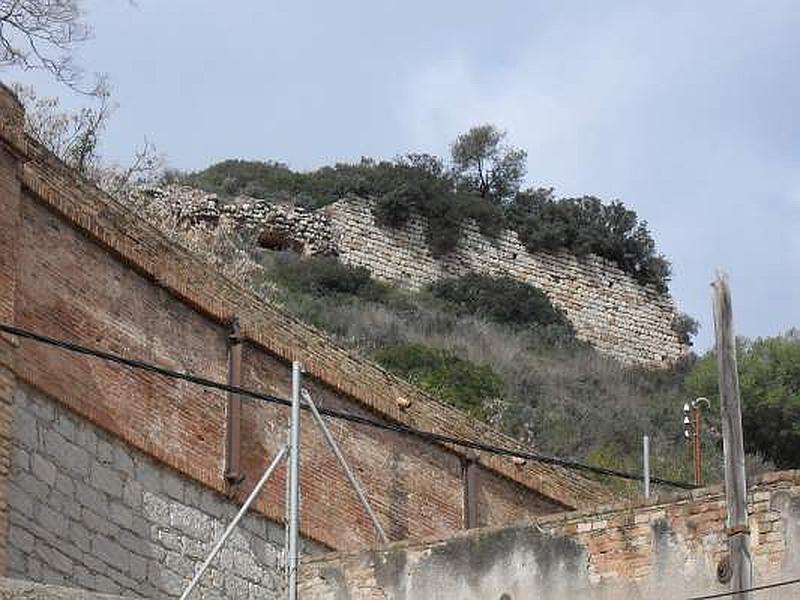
(757, 588)
(345, 416)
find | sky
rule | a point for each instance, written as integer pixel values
(688, 112)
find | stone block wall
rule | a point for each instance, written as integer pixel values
(607, 307)
(665, 549)
(19, 590)
(87, 511)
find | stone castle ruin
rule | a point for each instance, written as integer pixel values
(607, 307)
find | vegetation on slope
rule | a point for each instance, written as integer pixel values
(769, 378)
(482, 183)
(469, 341)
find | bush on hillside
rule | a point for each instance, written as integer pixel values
(686, 327)
(465, 385)
(253, 178)
(769, 379)
(413, 184)
(325, 275)
(502, 300)
(587, 226)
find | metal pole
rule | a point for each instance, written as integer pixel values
(228, 530)
(646, 457)
(698, 465)
(294, 478)
(346, 468)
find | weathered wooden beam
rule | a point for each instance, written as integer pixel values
(733, 441)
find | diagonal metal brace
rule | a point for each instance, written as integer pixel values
(232, 525)
(345, 467)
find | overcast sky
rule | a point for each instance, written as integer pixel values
(689, 112)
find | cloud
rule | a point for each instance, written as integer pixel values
(687, 114)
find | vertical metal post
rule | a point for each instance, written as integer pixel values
(646, 463)
(732, 441)
(294, 480)
(698, 461)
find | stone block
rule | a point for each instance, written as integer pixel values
(107, 480)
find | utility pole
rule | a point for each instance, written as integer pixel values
(733, 441)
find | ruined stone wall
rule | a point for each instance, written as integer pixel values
(86, 510)
(607, 307)
(658, 551)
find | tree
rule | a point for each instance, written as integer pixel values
(74, 137)
(769, 378)
(43, 35)
(484, 164)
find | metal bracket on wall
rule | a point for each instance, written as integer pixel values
(233, 409)
(469, 474)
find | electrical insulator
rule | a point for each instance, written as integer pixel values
(687, 421)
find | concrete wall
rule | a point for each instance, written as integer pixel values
(87, 511)
(661, 550)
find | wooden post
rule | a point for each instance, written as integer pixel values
(733, 441)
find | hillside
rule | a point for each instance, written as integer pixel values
(492, 346)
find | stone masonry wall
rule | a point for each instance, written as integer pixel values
(665, 549)
(25, 590)
(607, 307)
(87, 511)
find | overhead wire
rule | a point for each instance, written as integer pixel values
(757, 588)
(336, 414)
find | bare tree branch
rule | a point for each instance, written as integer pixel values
(43, 35)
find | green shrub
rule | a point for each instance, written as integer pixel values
(416, 183)
(325, 275)
(249, 177)
(502, 300)
(444, 375)
(769, 380)
(685, 327)
(586, 225)
(420, 184)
